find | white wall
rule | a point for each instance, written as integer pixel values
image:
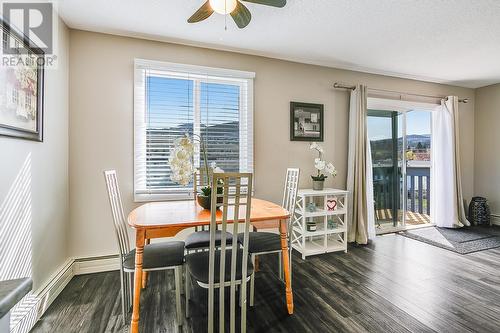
(487, 157)
(34, 186)
(101, 122)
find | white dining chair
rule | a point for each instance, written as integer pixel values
(227, 265)
(157, 256)
(200, 238)
(268, 242)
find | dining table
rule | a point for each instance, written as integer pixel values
(167, 218)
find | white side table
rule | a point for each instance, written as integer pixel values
(328, 218)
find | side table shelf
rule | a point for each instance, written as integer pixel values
(326, 212)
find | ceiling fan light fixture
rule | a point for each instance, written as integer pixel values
(223, 7)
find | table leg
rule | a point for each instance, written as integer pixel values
(286, 265)
(139, 250)
(256, 264)
(145, 274)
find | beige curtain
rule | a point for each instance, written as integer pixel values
(361, 215)
(447, 205)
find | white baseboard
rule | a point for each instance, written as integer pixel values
(27, 312)
(55, 285)
(96, 264)
(495, 219)
(33, 306)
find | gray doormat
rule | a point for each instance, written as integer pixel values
(464, 240)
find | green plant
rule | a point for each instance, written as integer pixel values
(207, 190)
(319, 177)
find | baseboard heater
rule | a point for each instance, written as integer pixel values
(495, 219)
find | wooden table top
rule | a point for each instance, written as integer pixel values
(188, 213)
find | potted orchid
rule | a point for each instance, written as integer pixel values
(182, 166)
(321, 166)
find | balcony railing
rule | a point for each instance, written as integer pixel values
(386, 184)
(418, 180)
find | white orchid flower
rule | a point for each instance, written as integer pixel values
(181, 154)
(180, 160)
(320, 165)
(317, 147)
(330, 168)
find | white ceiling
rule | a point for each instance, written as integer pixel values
(445, 41)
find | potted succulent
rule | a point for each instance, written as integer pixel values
(204, 198)
(182, 166)
(321, 166)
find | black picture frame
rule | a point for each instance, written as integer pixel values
(9, 130)
(306, 122)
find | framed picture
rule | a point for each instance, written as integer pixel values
(21, 88)
(306, 122)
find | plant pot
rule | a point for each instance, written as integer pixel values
(318, 185)
(206, 201)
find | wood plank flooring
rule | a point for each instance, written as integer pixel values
(395, 284)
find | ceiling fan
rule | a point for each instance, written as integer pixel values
(240, 14)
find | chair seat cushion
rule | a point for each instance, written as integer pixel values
(157, 255)
(197, 264)
(201, 239)
(259, 242)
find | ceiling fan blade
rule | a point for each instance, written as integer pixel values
(274, 3)
(201, 14)
(241, 15)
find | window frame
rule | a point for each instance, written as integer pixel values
(198, 74)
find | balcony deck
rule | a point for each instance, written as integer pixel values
(384, 216)
(389, 188)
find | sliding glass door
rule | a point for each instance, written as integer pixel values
(418, 166)
(400, 143)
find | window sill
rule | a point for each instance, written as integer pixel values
(162, 197)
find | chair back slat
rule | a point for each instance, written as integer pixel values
(290, 190)
(200, 180)
(236, 200)
(119, 221)
(222, 268)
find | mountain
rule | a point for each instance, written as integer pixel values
(412, 141)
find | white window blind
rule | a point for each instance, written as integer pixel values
(171, 100)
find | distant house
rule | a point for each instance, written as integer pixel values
(19, 92)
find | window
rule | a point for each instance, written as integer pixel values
(171, 100)
(15, 96)
(27, 101)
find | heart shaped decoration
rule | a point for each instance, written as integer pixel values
(331, 204)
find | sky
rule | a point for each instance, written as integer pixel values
(170, 102)
(417, 122)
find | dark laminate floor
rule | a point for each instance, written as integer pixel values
(395, 284)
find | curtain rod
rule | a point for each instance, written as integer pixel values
(337, 85)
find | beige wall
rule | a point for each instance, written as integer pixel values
(34, 192)
(487, 159)
(101, 122)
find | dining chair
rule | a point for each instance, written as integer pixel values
(268, 242)
(229, 264)
(200, 239)
(157, 256)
